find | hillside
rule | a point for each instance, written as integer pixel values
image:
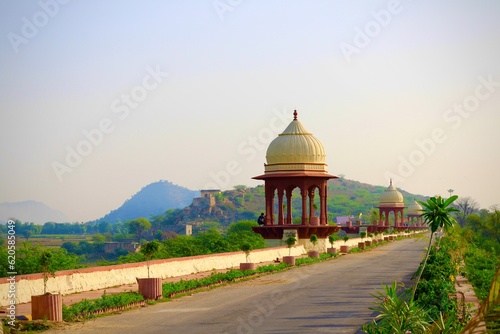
(345, 197)
(153, 199)
(30, 211)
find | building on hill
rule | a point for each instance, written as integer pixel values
(207, 198)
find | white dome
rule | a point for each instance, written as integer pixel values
(295, 150)
(415, 209)
(391, 197)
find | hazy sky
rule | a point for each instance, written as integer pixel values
(100, 98)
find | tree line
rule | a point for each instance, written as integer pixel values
(73, 255)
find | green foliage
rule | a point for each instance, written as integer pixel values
(397, 313)
(246, 247)
(290, 241)
(139, 226)
(480, 266)
(433, 295)
(437, 284)
(332, 238)
(206, 242)
(210, 225)
(437, 214)
(98, 238)
(171, 288)
(181, 246)
(149, 249)
(212, 241)
(85, 248)
(240, 232)
(29, 259)
(345, 238)
(47, 268)
(85, 309)
(486, 228)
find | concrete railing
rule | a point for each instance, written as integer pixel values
(95, 278)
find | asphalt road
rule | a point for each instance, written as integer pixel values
(330, 297)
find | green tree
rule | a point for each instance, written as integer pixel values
(27, 233)
(396, 313)
(212, 241)
(290, 241)
(47, 268)
(331, 239)
(182, 245)
(138, 227)
(98, 238)
(437, 214)
(240, 232)
(314, 239)
(247, 248)
(149, 250)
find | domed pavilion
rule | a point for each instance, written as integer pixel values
(413, 213)
(391, 200)
(295, 159)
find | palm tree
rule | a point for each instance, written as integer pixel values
(436, 214)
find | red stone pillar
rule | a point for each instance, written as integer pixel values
(289, 206)
(280, 206)
(303, 193)
(311, 203)
(269, 191)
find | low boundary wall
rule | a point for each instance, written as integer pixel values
(95, 278)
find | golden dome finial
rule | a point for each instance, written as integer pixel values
(295, 115)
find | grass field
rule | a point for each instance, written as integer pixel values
(55, 240)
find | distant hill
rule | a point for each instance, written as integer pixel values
(153, 199)
(30, 211)
(345, 197)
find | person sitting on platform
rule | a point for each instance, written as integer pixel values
(261, 220)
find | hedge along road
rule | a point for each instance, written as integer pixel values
(328, 297)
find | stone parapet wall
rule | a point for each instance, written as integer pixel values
(95, 278)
